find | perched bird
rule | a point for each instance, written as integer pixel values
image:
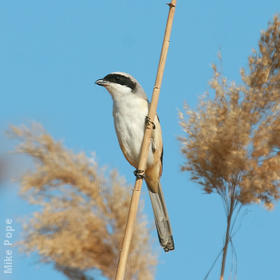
(130, 109)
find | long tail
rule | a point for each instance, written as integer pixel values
(162, 220)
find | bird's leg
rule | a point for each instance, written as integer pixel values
(139, 174)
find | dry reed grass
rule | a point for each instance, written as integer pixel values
(232, 142)
(83, 214)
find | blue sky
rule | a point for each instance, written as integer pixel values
(51, 53)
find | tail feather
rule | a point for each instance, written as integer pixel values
(161, 220)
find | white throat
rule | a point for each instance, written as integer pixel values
(118, 91)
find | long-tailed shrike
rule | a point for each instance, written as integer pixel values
(130, 109)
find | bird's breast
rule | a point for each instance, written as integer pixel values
(129, 119)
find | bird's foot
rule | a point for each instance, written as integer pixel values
(139, 174)
(149, 123)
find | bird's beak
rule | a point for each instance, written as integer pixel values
(101, 82)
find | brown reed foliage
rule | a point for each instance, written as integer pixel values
(83, 214)
(232, 142)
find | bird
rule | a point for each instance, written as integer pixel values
(130, 111)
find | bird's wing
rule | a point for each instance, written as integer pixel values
(157, 146)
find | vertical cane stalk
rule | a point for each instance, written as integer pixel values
(144, 149)
(227, 237)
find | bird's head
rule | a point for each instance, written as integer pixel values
(121, 84)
